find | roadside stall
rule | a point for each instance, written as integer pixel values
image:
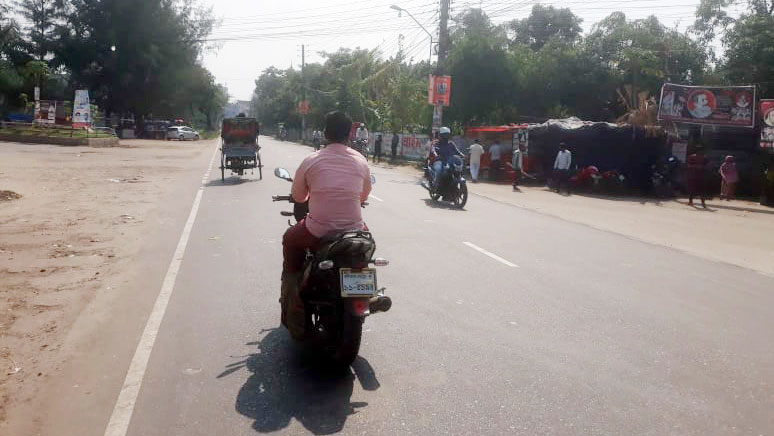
(509, 136)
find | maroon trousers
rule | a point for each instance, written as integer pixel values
(295, 241)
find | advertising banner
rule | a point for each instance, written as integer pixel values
(439, 90)
(81, 108)
(767, 128)
(718, 105)
(414, 146)
(45, 112)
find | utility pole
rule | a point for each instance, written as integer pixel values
(443, 51)
(303, 91)
(443, 36)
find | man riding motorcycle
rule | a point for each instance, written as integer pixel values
(335, 181)
(443, 149)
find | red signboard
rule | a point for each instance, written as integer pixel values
(439, 90)
(719, 105)
(767, 128)
(303, 107)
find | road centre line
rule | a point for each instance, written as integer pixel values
(127, 398)
(492, 255)
(376, 198)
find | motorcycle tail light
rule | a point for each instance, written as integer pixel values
(381, 262)
(361, 306)
(325, 265)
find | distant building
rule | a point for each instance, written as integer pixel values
(235, 107)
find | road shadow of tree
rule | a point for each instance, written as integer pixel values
(288, 381)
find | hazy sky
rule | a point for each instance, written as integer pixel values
(254, 35)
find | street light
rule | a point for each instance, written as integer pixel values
(400, 9)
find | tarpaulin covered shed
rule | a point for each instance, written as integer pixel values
(628, 149)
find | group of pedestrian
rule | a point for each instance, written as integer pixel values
(377, 157)
(476, 151)
(696, 178)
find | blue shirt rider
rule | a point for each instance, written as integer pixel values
(443, 149)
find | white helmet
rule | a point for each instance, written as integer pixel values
(444, 131)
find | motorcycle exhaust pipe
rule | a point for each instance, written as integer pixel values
(380, 304)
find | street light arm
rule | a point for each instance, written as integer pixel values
(400, 9)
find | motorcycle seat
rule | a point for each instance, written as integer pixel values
(351, 243)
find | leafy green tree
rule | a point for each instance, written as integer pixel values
(43, 16)
(545, 23)
(136, 56)
(747, 40)
(643, 54)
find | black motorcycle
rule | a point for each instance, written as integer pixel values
(338, 288)
(452, 187)
(361, 145)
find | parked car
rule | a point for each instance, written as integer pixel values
(182, 133)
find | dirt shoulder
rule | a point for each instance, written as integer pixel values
(736, 232)
(72, 221)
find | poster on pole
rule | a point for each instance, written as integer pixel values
(715, 105)
(81, 109)
(439, 90)
(767, 127)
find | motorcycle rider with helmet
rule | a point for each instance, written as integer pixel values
(443, 150)
(336, 181)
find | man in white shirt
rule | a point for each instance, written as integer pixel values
(476, 150)
(362, 132)
(495, 153)
(517, 162)
(562, 167)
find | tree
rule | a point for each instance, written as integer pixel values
(43, 16)
(485, 84)
(643, 54)
(136, 56)
(747, 40)
(544, 24)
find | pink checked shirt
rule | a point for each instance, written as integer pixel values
(336, 180)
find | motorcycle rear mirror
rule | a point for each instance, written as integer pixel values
(373, 179)
(282, 173)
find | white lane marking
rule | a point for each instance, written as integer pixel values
(376, 198)
(124, 408)
(492, 255)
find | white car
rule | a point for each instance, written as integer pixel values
(182, 133)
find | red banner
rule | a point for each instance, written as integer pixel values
(719, 105)
(767, 128)
(439, 90)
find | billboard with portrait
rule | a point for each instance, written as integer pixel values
(718, 105)
(767, 127)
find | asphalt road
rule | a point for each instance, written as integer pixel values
(564, 330)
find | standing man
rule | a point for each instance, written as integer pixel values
(518, 166)
(476, 150)
(562, 167)
(495, 153)
(378, 147)
(394, 145)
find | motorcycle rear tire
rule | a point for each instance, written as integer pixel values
(462, 197)
(348, 347)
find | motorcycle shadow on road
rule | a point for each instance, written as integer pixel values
(442, 205)
(288, 381)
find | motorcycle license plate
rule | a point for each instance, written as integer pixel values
(361, 283)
